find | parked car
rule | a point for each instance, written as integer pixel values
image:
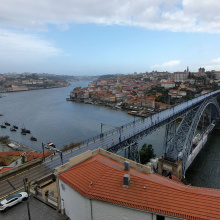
(12, 200)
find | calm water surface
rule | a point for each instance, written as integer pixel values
(51, 118)
(205, 170)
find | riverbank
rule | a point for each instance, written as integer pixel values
(6, 148)
(22, 89)
(134, 111)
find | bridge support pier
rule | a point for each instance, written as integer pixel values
(166, 168)
(131, 152)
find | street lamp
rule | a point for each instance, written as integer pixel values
(43, 149)
(120, 129)
(101, 135)
(26, 190)
(61, 157)
(120, 135)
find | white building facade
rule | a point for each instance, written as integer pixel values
(180, 76)
(78, 207)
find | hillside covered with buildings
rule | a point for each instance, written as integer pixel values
(13, 82)
(152, 91)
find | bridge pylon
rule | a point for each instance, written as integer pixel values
(179, 139)
(129, 150)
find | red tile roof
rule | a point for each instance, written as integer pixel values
(31, 155)
(3, 169)
(101, 178)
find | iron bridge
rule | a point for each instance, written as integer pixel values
(178, 140)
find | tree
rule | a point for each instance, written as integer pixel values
(77, 88)
(70, 146)
(146, 153)
(4, 140)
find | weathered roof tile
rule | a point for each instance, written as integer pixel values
(101, 177)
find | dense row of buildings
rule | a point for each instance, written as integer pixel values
(13, 82)
(141, 90)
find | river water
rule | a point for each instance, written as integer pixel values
(205, 170)
(49, 117)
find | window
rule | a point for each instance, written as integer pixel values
(11, 201)
(17, 195)
(160, 217)
(9, 198)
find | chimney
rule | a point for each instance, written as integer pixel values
(127, 165)
(126, 180)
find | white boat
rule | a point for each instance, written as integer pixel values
(51, 146)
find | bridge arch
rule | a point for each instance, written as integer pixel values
(215, 115)
(179, 140)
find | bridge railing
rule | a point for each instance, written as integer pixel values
(104, 134)
(156, 118)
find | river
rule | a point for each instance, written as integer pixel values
(49, 117)
(205, 169)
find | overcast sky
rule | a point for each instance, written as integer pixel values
(89, 37)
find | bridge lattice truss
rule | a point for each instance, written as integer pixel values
(178, 140)
(126, 137)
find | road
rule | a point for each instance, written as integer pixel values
(38, 210)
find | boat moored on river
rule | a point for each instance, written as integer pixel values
(12, 129)
(15, 126)
(33, 138)
(7, 124)
(24, 130)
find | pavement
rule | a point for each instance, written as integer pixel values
(38, 210)
(5, 148)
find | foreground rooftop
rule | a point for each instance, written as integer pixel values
(101, 177)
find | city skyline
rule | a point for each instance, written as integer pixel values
(102, 37)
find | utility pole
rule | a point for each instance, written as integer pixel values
(101, 135)
(120, 128)
(43, 149)
(61, 157)
(26, 190)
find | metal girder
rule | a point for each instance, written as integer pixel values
(139, 135)
(131, 152)
(178, 142)
(191, 133)
(175, 136)
(130, 148)
(169, 140)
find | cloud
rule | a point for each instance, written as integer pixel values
(167, 66)
(213, 64)
(22, 46)
(215, 61)
(172, 15)
(171, 63)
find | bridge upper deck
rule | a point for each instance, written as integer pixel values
(124, 132)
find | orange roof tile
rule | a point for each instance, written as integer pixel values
(101, 178)
(3, 169)
(31, 155)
